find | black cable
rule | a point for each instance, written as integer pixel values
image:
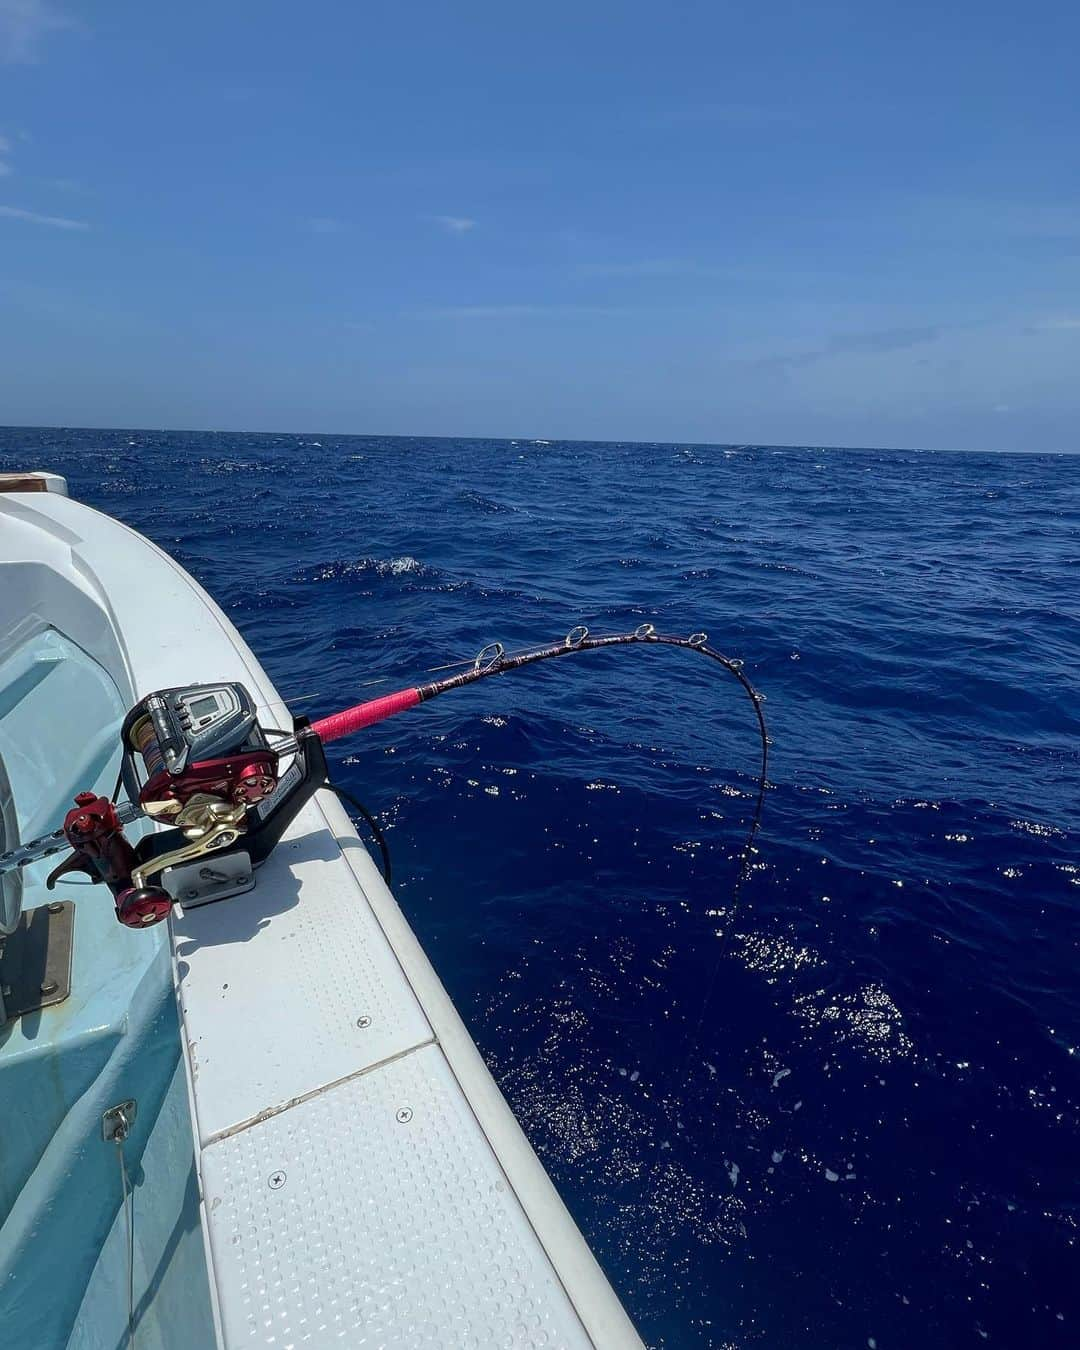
(373, 825)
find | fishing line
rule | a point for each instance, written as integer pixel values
(493, 660)
(119, 1138)
(129, 1225)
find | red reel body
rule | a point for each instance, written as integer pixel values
(247, 776)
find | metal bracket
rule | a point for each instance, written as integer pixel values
(35, 960)
(258, 833)
(117, 1121)
(207, 824)
(209, 878)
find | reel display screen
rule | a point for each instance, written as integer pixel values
(175, 727)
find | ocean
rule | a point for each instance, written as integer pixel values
(869, 1134)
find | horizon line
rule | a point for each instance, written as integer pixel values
(538, 440)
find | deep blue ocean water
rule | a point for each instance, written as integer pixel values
(872, 1136)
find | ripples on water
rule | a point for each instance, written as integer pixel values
(872, 1138)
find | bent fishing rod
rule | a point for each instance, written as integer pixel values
(196, 758)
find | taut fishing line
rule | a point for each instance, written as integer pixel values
(493, 660)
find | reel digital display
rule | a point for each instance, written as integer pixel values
(175, 727)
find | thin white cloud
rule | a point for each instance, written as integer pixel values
(455, 224)
(881, 342)
(1066, 324)
(631, 269)
(636, 267)
(978, 218)
(69, 185)
(5, 145)
(5, 169)
(516, 311)
(325, 225)
(23, 25)
(32, 218)
(740, 116)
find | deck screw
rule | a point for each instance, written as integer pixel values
(363, 1021)
(49, 987)
(56, 907)
(276, 1180)
(404, 1115)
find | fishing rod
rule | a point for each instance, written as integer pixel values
(196, 758)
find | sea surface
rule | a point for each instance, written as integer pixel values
(869, 1134)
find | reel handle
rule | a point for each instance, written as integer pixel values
(96, 834)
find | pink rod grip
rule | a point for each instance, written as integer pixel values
(364, 714)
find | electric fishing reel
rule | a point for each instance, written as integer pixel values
(195, 758)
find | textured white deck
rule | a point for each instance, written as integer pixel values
(329, 1220)
(319, 965)
(426, 1246)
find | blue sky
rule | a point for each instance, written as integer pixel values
(808, 223)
